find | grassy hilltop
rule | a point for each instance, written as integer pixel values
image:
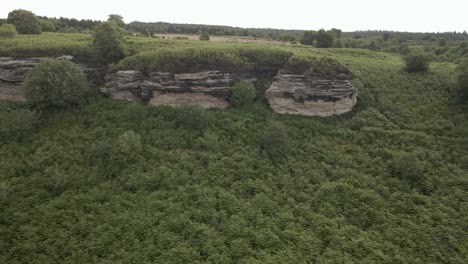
(120, 182)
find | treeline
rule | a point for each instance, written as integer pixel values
(408, 35)
(172, 28)
(63, 24)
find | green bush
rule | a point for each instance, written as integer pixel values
(7, 31)
(17, 121)
(408, 167)
(243, 94)
(417, 62)
(462, 78)
(25, 22)
(55, 84)
(275, 140)
(47, 26)
(192, 59)
(204, 36)
(108, 42)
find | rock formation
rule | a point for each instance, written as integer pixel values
(302, 87)
(209, 89)
(13, 72)
(312, 94)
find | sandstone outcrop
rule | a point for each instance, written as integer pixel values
(312, 93)
(302, 87)
(209, 89)
(13, 72)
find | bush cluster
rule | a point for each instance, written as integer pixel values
(7, 31)
(55, 84)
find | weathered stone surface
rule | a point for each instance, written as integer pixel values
(13, 72)
(312, 94)
(209, 89)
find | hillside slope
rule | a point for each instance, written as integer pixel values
(118, 182)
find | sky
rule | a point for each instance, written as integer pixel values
(397, 15)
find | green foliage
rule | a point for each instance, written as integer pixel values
(408, 167)
(243, 94)
(275, 140)
(55, 84)
(114, 181)
(47, 26)
(7, 31)
(308, 38)
(324, 39)
(204, 36)
(191, 59)
(118, 19)
(373, 46)
(108, 42)
(24, 21)
(462, 77)
(418, 62)
(386, 36)
(17, 122)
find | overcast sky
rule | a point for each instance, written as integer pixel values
(400, 15)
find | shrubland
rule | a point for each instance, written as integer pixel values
(116, 181)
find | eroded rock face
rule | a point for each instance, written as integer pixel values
(209, 89)
(13, 72)
(312, 94)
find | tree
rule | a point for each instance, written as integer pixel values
(324, 39)
(47, 26)
(308, 38)
(7, 31)
(243, 94)
(386, 36)
(336, 33)
(108, 42)
(118, 19)
(373, 46)
(462, 78)
(24, 21)
(55, 84)
(338, 44)
(417, 62)
(204, 36)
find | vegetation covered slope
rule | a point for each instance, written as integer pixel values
(118, 182)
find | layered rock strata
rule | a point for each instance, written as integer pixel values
(209, 89)
(13, 72)
(312, 94)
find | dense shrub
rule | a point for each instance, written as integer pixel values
(25, 22)
(243, 94)
(17, 121)
(324, 39)
(191, 59)
(204, 36)
(47, 26)
(55, 84)
(108, 42)
(275, 140)
(408, 167)
(417, 62)
(7, 31)
(462, 78)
